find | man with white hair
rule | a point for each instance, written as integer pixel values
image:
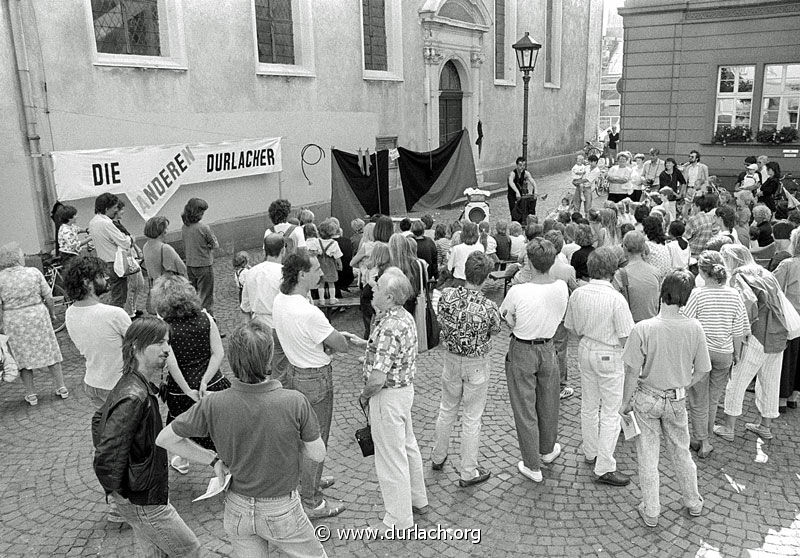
(762, 161)
(389, 366)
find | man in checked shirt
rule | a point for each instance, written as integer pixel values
(467, 319)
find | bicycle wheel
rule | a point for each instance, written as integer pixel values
(60, 304)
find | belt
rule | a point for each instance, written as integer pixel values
(675, 394)
(252, 499)
(537, 341)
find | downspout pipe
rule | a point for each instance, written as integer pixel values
(24, 82)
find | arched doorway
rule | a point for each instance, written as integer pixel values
(450, 97)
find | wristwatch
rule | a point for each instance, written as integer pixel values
(214, 461)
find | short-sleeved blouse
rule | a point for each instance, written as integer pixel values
(616, 187)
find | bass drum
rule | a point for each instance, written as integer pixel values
(477, 212)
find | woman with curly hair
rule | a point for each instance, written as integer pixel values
(26, 310)
(196, 354)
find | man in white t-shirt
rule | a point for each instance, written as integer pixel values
(305, 335)
(278, 212)
(534, 311)
(261, 286)
(97, 330)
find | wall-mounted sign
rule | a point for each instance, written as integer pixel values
(150, 175)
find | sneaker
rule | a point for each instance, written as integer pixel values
(421, 510)
(62, 392)
(328, 508)
(696, 511)
(326, 482)
(115, 518)
(550, 457)
(723, 432)
(566, 392)
(648, 520)
(32, 399)
(179, 465)
(759, 429)
(480, 476)
(535, 476)
(439, 466)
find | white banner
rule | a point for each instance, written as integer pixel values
(150, 175)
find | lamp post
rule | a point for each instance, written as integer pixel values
(527, 52)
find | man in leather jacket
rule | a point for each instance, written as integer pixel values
(127, 462)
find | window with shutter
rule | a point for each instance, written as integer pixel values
(275, 31)
(374, 22)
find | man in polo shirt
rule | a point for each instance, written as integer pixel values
(260, 431)
(534, 310)
(600, 317)
(106, 238)
(306, 335)
(261, 286)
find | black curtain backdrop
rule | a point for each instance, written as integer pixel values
(437, 178)
(354, 194)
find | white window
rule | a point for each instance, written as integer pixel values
(505, 29)
(552, 44)
(781, 96)
(734, 96)
(283, 37)
(138, 33)
(382, 40)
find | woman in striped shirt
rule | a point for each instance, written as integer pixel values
(721, 312)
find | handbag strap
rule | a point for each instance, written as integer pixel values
(363, 412)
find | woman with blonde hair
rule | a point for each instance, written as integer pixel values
(619, 178)
(26, 313)
(762, 353)
(361, 260)
(788, 275)
(401, 255)
(609, 229)
(720, 310)
(378, 262)
(197, 352)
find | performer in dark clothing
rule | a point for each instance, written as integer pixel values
(520, 183)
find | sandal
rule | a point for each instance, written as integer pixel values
(759, 430)
(62, 392)
(723, 432)
(32, 399)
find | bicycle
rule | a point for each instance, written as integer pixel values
(52, 273)
(590, 148)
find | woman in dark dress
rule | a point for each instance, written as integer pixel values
(584, 237)
(771, 186)
(196, 354)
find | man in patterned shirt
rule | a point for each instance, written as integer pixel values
(468, 320)
(389, 366)
(703, 224)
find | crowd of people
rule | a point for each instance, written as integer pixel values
(677, 300)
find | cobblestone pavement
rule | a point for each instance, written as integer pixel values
(51, 503)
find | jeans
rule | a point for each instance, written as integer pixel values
(658, 416)
(158, 530)
(561, 341)
(117, 287)
(464, 380)
(253, 523)
(280, 364)
(533, 389)
(602, 384)
(398, 462)
(202, 279)
(317, 385)
(766, 368)
(704, 395)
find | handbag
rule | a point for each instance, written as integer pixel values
(364, 437)
(125, 263)
(9, 371)
(791, 319)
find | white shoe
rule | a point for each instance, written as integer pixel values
(550, 457)
(535, 476)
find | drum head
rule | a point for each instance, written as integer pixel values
(476, 215)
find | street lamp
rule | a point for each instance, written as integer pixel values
(527, 52)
